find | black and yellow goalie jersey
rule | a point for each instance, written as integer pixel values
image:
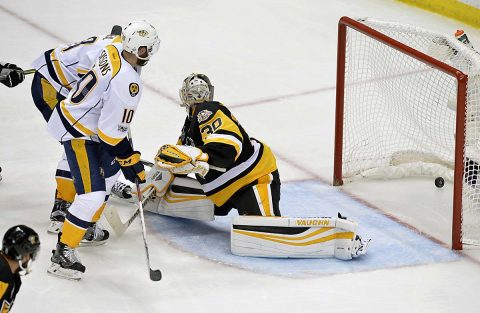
(237, 159)
(9, 285)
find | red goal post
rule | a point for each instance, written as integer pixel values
(343, 146)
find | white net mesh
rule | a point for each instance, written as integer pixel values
(400, 113)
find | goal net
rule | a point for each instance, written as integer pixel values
(408, 105)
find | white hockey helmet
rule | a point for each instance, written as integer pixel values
(196, 88)
(140, 34)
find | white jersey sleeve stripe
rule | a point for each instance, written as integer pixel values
(110, 140)
(58, 70)
(82, 71)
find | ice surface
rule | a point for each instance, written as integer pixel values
(273, 63)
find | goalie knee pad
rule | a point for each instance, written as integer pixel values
(295, 237)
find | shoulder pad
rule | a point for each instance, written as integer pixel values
(109, 61)
(205, 111)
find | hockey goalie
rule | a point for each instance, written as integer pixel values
(234, 171)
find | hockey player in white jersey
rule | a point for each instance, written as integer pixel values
(92, 123)
(57, 71)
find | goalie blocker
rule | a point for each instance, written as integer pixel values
(293, 237)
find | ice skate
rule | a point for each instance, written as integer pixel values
(57, 217)
(95, 236)
(66, 263)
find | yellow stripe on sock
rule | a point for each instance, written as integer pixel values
(72, 234)
(65, 188)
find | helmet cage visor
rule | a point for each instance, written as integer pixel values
(196, 88)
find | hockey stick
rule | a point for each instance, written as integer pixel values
(113, 218)
(155, 275)
(25, 72)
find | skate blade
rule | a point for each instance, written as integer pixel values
(65, 273)
(86, 243)
(132, 199)
(54, 227)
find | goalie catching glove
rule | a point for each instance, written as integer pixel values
(182, 159)
(131, 167)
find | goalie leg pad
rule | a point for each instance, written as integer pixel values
(294, 237)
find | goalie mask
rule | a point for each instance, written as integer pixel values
(196, 88)
(137, 35)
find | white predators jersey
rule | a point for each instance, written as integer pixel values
(102, 103)
(67, 63)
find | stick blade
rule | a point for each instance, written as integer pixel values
(155, 275)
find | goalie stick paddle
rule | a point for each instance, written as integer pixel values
(113, 218)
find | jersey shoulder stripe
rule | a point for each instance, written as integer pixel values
(59, 71)
(114, 57)
(219, 121)
(3, 288)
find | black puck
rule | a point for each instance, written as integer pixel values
(439, 182)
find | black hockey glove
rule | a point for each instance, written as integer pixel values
(131, 167)
(11, 75)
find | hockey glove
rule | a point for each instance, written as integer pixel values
(11, 75)
(131, 167)
(182, 159)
